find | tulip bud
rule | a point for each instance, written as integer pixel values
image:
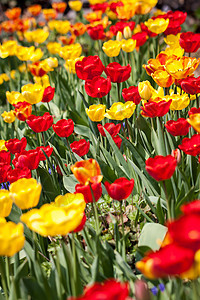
(119, 36)
(177, 155)
(127, 32)
(141, 290)
(145, 90)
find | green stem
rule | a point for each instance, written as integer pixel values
(123, 235)
(95, 212)
(118, 91)
(3, 277)
(167, 200)
(75, 263)
(7, 259)
(70, 154)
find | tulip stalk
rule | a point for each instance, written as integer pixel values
(3, 277)
(95, 212)
(123, 235)
(167, 200)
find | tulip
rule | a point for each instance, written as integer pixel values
(40, 123)
(45, 220)
(59, 6)
(120, 189)
(48, 94)
(161, 167)
(118, 73)
(33, 93)
(140, 37)
(5, 203)
(131, 94)
(49, 13)
(14, 97)
(190, 41)
(191, 146)
(86, 191)
(141, 290)
(110, 127)
(178, 128)
(27, 159)
(112, 48)
(70, 64)
(89, 67)
(71, 51)
(194, 121)
(190, 85)
(79, 28)
(4, 157)
(25, 192)
(64, 128)
(2, 145)
(128, 45)
(194, 110)
(87, 171)
(8, 116)
(178, 102)
(117, 140)
(22, 110)
(96, 32)
(171, 260)
(145, 90)
(177, 155)
(15, 145)
(120, 111)
(158, 25)
(4, 170)
(54, 47)
(75, 5)
(13, 13)
(98, 87)
(153, 109)
(120, 26)
(36, 36)
(80, 147)
(180, 68)
(34, 10)
(162, 78)
(11, 238)
(18, 173)
(81, 225)
(48, 151)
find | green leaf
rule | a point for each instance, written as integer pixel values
(48, 185)
(69, 183)
(151, 234)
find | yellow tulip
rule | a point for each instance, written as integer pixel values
(10, 46)
(22, 68)
(172, 40)
(145, 90)
(93, 2)
(119, 36)
(96, 112)
(174, 50)
(127, 11)
(23, 53)
(8, 116)
(54, 47)
(61, 27)
(2, 145)
(11, 238)
(33, 93)
(14, 97)
(36, 55)
(179, 102)
(57, 218)
(71, 51)
(75, 5)
(127, 32)
(36, 36)
(5, 203)
(112, 48)
(70, 64)
(194, 121)
(158, 25)
(181, 67)
(128, 45)
(162, 78)
(43, 80)
(120, 111)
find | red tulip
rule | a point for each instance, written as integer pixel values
(89, 67)
(48, 151)
(99, 6)
(131, 94)
(140, 37)
(110, 127)
(64, 128)
(48, 94)
(15, 145)
(117, 140)
(153, 109)
(98, 87)
(170, 260)
(4, 170)
(5, 157)
(15, 174)
(194, 110)
(109, 290)
(190, 85)
(118, 73)
(40, 123)
(185, 231)
(173, 27)
(27, 159)
(80, 147)
(113, 8)
(176, 154)
(119, 26)
(86, 191)
(190, 41)
(179, 127)
(191, 146)
(161, 167)
(120, 189)
(191, 207)
(96, 32)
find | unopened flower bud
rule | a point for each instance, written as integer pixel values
(141, 290)
(119, 36)
(127, 32)
(145, 90)
(177, 155)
